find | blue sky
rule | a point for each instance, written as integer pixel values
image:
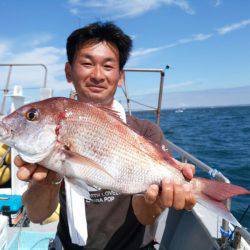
(206, 42)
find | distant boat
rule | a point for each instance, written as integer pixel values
(179, 110)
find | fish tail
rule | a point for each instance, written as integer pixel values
(211, 195)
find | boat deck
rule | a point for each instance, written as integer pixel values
(34, 235)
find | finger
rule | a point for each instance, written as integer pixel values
(40, 174)
(190, 200)
(188, 165)
(26, 171)
(188, 171)
(18, 161)
(179, 197)
(167, 193)
(151, 194)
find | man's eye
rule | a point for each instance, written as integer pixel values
(108, 67)
(87, 64)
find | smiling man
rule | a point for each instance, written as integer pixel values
(95, 72)
(97, 54)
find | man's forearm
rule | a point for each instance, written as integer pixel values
(41, 201)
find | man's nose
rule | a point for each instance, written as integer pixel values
(97, 75)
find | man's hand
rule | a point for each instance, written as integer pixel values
(172, 195)
(43, 183)
(35, 173)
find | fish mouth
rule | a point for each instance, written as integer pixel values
(5, 132)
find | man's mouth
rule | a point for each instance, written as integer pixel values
(96, 89)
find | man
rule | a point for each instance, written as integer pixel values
(97, 54)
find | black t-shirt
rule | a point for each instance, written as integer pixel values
(110, 217)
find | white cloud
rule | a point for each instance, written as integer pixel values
(217, 3)
(142, 51)
(52, 57)
(133, 37)
(193, 38)
(47, 55)
(184, 5)
(3, 49)
(235, 26)
(74, 1)
(184, 84)
(169, 87)
(40, 39)
(74, 11)
(201, 37)
(124, 8)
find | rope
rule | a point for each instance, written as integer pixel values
(142, 104)
(243, 215)
(132, 100)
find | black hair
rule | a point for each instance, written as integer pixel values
(99, 32)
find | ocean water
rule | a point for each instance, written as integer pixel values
(220, 137)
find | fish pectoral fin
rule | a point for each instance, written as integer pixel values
(79, 186)
(75, 158)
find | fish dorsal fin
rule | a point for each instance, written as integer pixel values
(107, 109)
(167, 157)
(111, 112)
(158, 151)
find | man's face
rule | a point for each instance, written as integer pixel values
(95, 72)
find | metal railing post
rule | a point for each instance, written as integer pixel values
(126, 95)
(11, 65)
(6, 90)
(225, 224)
(158, 108)
(158, 111)
(45, 75)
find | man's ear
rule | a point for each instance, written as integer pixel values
(68, 72)
(122, 77)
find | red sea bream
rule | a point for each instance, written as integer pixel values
(87, 143)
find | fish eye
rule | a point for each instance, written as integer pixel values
(32, 114)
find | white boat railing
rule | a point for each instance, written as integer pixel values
(17, 99)
(156, 109)
(7, 85)
(214, 173)
(185, 156)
